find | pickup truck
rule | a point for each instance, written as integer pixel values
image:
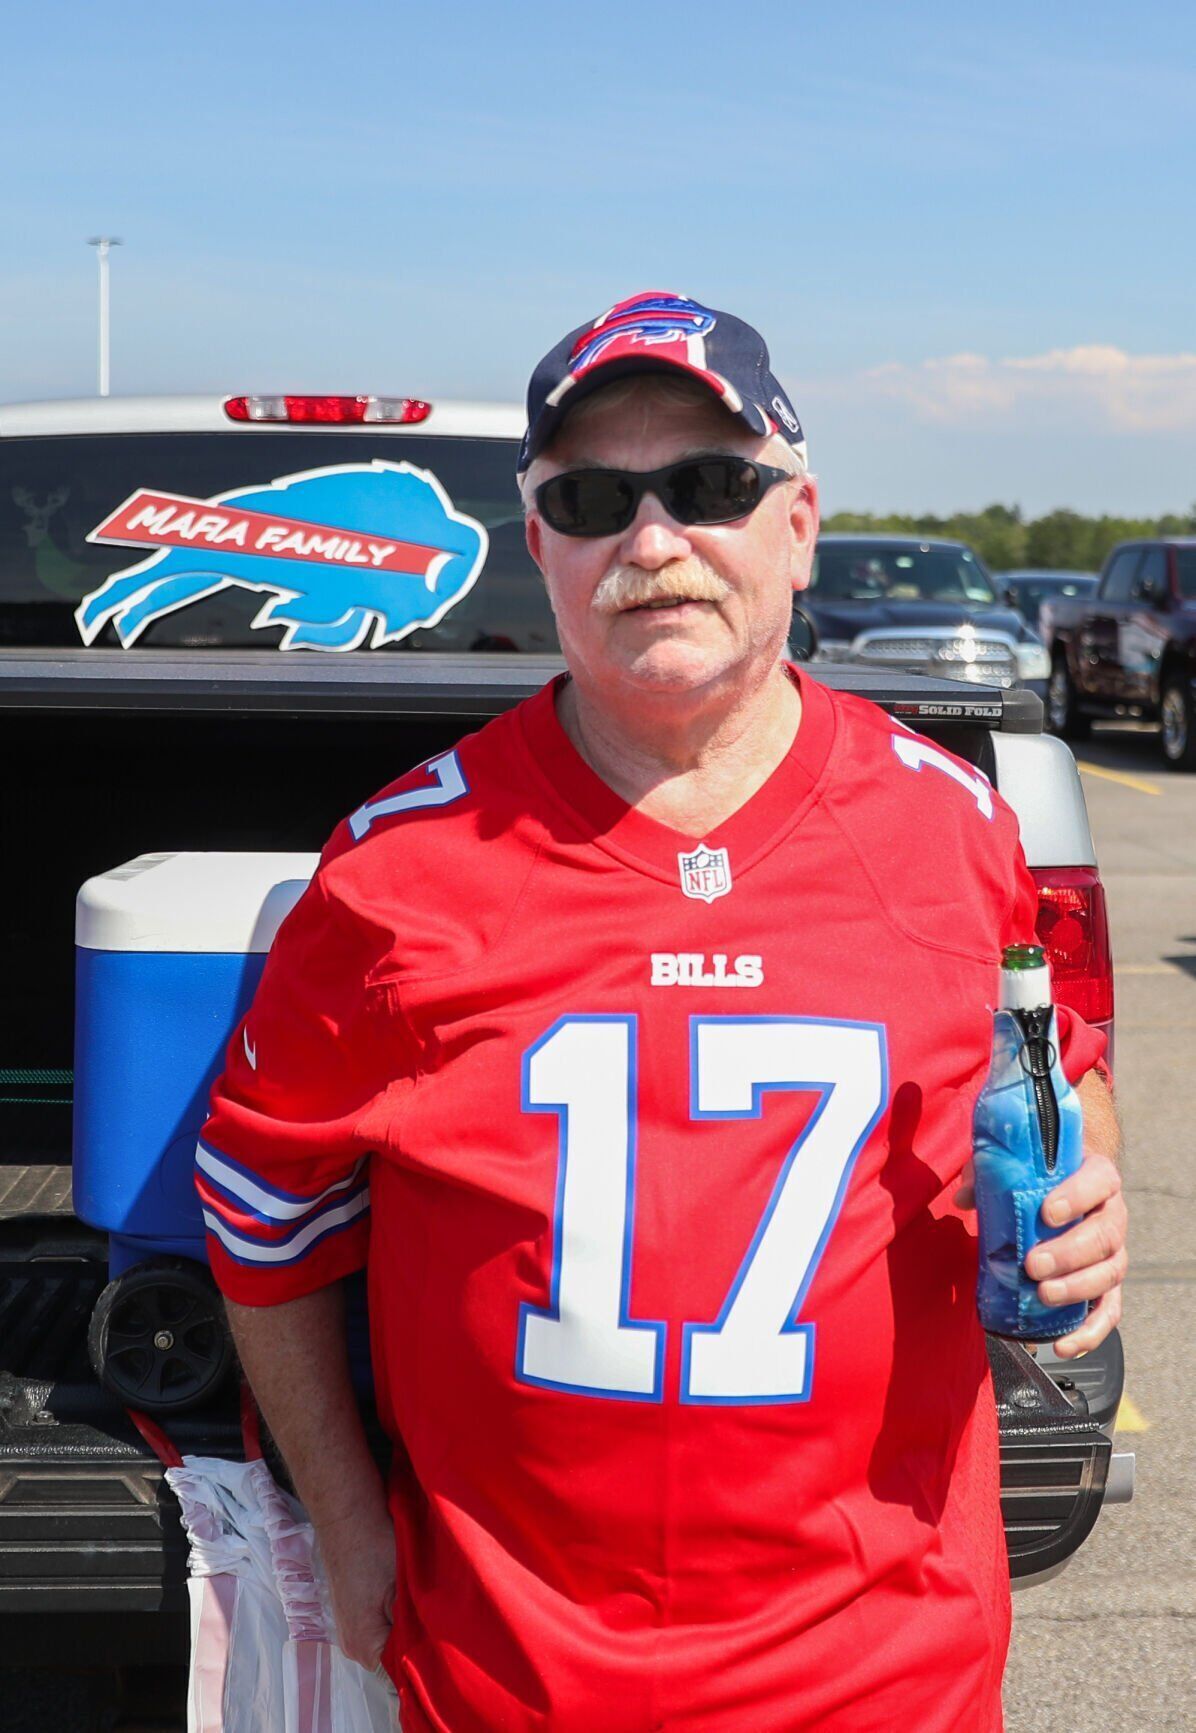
(146, 706)
(920, 603)
(1129, 650)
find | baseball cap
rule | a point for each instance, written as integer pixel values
(657, 331)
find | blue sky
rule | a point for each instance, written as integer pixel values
(966, 234)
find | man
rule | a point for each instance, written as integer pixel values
(658, 1008)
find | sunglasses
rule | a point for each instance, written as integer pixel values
(697, 490)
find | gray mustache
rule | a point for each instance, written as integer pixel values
(633, 587)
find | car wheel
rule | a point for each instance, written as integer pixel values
(1063, 716)
(1178, 732)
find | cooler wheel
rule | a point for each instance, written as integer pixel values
(158, 1339)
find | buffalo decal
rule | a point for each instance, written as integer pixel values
(356, 551)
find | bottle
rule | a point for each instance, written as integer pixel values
(1027, 1137)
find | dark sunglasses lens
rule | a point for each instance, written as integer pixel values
(587, 503)
(712, 490)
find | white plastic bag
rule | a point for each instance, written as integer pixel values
(264, 1657)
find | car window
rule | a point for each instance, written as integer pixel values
(1185, 571)
(55, 491)
(1151, 575)
(1028, 598)
(869, 572)
(1120, 575)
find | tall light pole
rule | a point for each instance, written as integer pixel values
(102, 243)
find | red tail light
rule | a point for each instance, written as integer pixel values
(328, 411)
(1073, 928)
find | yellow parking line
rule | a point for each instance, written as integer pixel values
(1129, 1419)
(1137, 782)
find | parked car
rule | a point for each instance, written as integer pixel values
(923, 604)
(1130, 649)
(1028, 590)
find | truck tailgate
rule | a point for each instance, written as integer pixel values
(424, 684)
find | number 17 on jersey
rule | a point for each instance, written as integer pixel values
(758, 1349)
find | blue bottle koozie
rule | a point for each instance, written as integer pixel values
(1027, 1136)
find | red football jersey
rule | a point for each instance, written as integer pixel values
(673, 1316)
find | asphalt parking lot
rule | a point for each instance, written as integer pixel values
(1111, 1643)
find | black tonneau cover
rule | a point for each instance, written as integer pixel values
(232, 682)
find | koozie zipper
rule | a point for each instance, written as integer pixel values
(1035, 1027)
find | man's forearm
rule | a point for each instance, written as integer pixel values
(295, 1358)
(1102, 1130)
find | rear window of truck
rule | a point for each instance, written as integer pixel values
(55, 491)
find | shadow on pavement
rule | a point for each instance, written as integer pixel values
(1129, 746)
(1186, 962)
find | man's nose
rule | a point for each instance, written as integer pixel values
(653, 538)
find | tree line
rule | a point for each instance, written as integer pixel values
(1004, 539)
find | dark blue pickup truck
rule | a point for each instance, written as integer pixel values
(919, 603)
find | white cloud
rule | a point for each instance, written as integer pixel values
(1096, 386)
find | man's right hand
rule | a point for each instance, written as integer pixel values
(359, 1562)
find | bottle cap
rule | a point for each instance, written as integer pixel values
(1025, 978)
(1023, 957)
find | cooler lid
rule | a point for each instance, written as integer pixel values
(191, 901)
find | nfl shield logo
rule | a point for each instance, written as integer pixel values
(706, 873)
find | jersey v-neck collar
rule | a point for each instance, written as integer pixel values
(604, 818)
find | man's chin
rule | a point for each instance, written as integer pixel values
(672, 665)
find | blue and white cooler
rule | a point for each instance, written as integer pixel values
(169, 950)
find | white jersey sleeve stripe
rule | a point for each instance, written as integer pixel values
(257, 1196)
(290, 1251)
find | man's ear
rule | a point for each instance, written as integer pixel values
(803, 522)
(533, 532)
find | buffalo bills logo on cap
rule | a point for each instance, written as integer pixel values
(644, 321)
(659, 331)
